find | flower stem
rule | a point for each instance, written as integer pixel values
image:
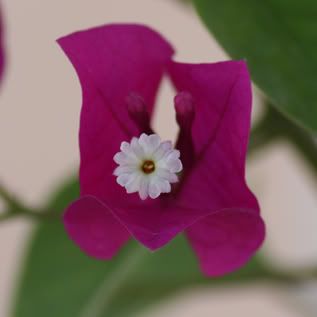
(101, 300)
(265, 131)
(16, 208)
(7, 197)
(303, 141)
(288, 277)
(275, 125)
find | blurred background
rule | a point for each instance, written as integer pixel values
(39, 112)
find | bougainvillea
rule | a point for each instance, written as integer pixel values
(120, 68)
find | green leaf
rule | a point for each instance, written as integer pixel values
(279, 40)
(58, 280)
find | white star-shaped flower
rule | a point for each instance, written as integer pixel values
(147, 166)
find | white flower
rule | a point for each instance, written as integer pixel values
(147, 166)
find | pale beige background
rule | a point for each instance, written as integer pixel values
(40, 104)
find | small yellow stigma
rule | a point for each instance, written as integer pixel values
(148, 167)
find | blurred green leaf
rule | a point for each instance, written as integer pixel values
(273, 127)
(58, 280)
(279, 40)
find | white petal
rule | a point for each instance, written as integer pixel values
(137, 148)
(133, 185)
(154, 190)
(166, 174)
(143, 140)
(149, 143)
(124, 169)
(125, 147)
(121, 158)
(165, 147)
(174, 166)
(154, 142)
(144, 188)
(123, 179)
(128, 151)
(175, 154)
(164, 185)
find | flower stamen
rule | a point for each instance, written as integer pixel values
(148, 167)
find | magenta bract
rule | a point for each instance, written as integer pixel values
(212, 205)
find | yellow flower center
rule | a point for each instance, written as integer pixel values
(148, 167)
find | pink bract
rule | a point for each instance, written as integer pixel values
(213, 205)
